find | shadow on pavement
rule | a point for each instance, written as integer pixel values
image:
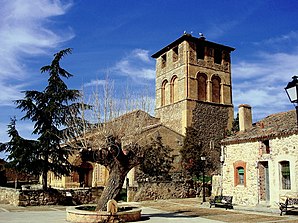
(177, 214)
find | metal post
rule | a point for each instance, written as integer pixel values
(204, 194)
(296, 114)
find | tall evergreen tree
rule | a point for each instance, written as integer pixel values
(235, 127)
(49, 110)
(22, 153)
(158, 161)
(191, 153)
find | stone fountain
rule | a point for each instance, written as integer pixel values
(87, 213)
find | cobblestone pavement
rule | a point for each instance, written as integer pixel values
(174, 210)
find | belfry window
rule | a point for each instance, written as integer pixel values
(163, 60)
(217, 56)
(175, 54)
(174, 89)
(200, 52)
(202, 87)
(216, 89)
(163, 92)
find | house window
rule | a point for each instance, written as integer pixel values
(265, 148)
(200, 52)
(217, 56)
(285, 175)
(163, 60)
(175, 54)
(240, 172)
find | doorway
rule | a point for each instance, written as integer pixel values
(264, 189)
(85, 174)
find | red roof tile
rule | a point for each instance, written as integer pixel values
(275, 125)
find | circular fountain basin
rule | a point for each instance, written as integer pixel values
(84, 214)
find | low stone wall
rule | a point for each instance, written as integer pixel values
(9, 196)
(161, 190)
(30, 197)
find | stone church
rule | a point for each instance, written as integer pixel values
(193, 87)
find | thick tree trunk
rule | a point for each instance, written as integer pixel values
(45, 173)
(114, 185)
(44, 180)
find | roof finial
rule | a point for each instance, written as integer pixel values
(201, 35)
(186, 33)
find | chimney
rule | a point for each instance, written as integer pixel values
(245, 117)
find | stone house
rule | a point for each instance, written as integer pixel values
(260, 162)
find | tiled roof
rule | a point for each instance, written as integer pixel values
(189, 37)
(127, 124)
(275, 125)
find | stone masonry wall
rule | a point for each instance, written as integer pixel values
(281, 149)
(51, 197)
(171, 116)
(211, 122)
(161, 190)
(244, 195)
(9, 196)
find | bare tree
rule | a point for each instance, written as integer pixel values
(115, 137)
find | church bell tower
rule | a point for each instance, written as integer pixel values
(192, 72)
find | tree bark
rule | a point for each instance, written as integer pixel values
(45, 174)
(44, 180)
(114, 185)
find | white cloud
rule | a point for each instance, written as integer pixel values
(95, 83)
(291, 36)
(24, 31)
(27, 31)
(9, 93)
(137, 65)
(268, 67)
(141, 54)
(261, 83)
(248, 70)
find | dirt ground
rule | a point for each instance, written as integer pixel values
(193, 207)
(188, 207)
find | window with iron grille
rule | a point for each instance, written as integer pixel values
(285, 175)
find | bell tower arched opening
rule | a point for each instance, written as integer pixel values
(216, 85)
(202, 86)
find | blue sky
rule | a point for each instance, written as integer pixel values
(117, 38)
